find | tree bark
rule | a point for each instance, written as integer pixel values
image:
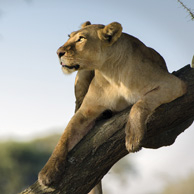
(104, 145)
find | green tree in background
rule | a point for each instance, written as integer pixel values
(21, 162)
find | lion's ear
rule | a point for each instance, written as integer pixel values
(87, 23)
(110, 33)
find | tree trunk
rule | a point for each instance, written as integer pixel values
(92, 158)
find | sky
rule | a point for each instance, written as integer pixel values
(37, 99)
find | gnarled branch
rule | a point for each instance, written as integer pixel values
(92, 158)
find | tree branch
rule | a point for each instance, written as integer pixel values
(92, 158)
(187, 9)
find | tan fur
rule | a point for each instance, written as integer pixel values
(126, 72)
(82, 82)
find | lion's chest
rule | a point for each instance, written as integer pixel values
(131, 96)
(120, 97)
(120, 92)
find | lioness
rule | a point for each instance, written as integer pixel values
(115, 70)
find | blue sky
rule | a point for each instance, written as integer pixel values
(35, 96)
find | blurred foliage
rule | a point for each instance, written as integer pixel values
(20, 162)
(123, 169)
(120, 176)
(181, 186)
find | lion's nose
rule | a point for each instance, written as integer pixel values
(60, 53)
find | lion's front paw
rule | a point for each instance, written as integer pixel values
(49, 176)
(134, 136)
(51, 172)
(46, 177)
(133, 144)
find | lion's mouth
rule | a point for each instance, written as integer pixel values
(76, 67)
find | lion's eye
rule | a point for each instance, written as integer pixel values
(81, 38)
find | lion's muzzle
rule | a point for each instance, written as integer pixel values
(76, 67)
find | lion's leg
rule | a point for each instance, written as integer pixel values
(142, 109)
(136, 125)
(97, 189)
(82, 82)
(76, 129)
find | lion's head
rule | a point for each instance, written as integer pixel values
(85, 47)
